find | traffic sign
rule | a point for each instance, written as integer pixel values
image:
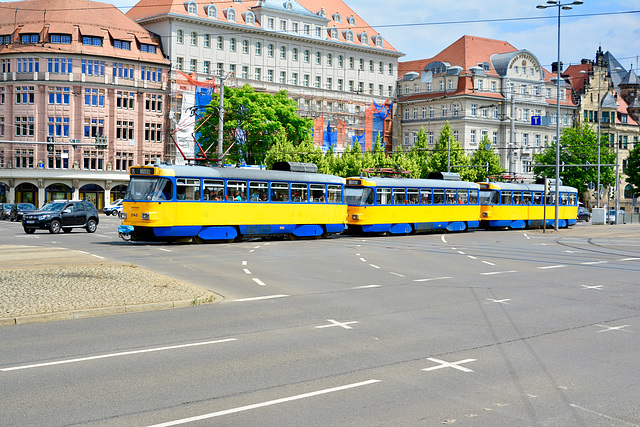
(536, 120)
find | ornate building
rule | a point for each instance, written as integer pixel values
(82, 98)
(482, 87)
(322, 53)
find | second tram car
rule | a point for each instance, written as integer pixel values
(201, 203)
(406, 205)
(524, 205)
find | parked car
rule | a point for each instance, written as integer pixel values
(62, 215)
(113, 208)
(6, 210)
(612, 218)
(19, 209)
(584, 214)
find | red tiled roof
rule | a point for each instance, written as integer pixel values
(576, 77)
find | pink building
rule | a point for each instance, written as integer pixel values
(82, 98)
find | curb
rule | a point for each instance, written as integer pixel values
(94, 312)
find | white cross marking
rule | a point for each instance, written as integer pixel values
(344, 325)
(501, 301)
(613, 328)
(597, 287)
(454, 365)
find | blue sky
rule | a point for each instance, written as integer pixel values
(422, 28)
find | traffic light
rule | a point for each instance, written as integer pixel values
(50, 144)
(611, 192)
(546, 186)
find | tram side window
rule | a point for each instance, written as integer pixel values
(473, 197)
(550, 199)
(537, 198)
(463, 197)
(517, 197)
(213, 190)
(564, 199)
(399, 196)
(526, 197)
(412, 196)
(383, 196)
(318, 192)
(573, 199)
(258, 191)
(299, 192)
(425, 196)
(164, 190)
(187, 189)
(506, 198)
(438, 196)
(451, 197)
(335, 195)
(237, 191)
(279, 192)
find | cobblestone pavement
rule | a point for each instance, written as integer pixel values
(41, 284)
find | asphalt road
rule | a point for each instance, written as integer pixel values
(485, 328)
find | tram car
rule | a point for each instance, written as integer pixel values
(520, 206)
(201, 203)
(406, 205)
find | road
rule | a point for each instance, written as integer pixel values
(485, 328)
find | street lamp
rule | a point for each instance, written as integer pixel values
(563, 6)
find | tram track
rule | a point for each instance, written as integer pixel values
(596, 247)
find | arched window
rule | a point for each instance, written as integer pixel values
(334, 33)
(337, 18)
(245, 46)
(283, 52)
(329, 60)
(212, 11)
(220, 44)
(250, 18)
(258, 48)
(628, 191)
(294, 54)
(232, 45)
(192, 8)
(194, 38)
(378, 40)
(364, 39)
(349, 36)
(231, 15)
(179, 36)
(351, 20)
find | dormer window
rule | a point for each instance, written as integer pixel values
(250, 18)
(192, 8)
(337, 18)
(60, 38)
(334, 33)
(29, 38)
(231, 15)
(378, 40)
(288, 5)
(121, 44)
(351, 20)
(212, 11)
(149, 48)
(92, 41)
(364, 38)
(348, 35)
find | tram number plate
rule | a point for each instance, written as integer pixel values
(353, 182)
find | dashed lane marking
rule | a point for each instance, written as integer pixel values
(246, 270)
(258, 281)
(630, 259)
(363, 260)
(367, 287)
(97, 256)
(433, 278)
(124, 353)
(397, 274)
(260, 298)
(374, 266)
(492, 273)
(593, 262)
(165, 250)
(263, 404)
(488, 263)
(549, 267)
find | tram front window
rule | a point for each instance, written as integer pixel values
(489, 197)
(149, 189)
(359, 196)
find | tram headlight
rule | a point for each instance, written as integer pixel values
(123, 215)
(355, 216)
(145, 215)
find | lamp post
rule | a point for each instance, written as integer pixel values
(560, 6)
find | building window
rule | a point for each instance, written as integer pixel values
(245, 72)
(153, 102)
(125, 100)
(59, 95)
(283, 26)
(474, 110)
(124, 130)
(94, 127)
(192, 8)
(60, 38)
(472, 138)
(28, 65)
(351, 63)
(193, 65)
(305, 80)
(431, 112)
(179, 63)
(257, 74)
(212, 12)
(270, 50)
(231, 15)
(25, 126)
(24, 158)
(258, 50)
(58, 126)
(318, 58)
(340, 61)
(25, 94)
(121, 44)
(153, 132)
(206, 68)
(430, 138)
(306, 56)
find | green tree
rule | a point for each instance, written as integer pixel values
(578, 148)
(261, 116)
(448, 150)
(419, 155)
(485, 155)
(633, 169)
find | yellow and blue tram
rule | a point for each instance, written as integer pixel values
(200, 203)
(525, 205)
(405, 205)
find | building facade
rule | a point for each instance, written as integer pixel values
(322, 53)
(608, 107)
(82, 98)
(482, 88)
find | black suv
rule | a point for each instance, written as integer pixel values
(62, 215)
(19, 209)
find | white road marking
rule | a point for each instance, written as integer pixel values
(614, 328)
(491, 273)
(102, 235)
(163, 249)
(397, 274)
(83, 252)
(460, 252)
(597, 287)
(367, 287)
(630, 259)
(260, 298)
(548, 267)
(244, 262)
(471, 256)
(263, 404)
(525, 235)
(593, 262)
(374, 266)
(258, 281)
(501, 301)
(443, 239)
(344, 325)
(363, 260)
(97, 256)
(488, 263)
(454, 365)
(252, 250)
(433, 278)
(124, 353)
(246, 270)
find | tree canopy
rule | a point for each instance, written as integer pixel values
(633, 169)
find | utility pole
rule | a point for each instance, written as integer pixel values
(221, 117)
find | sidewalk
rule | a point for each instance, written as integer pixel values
(41, 284)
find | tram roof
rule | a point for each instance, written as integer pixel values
(527, 187)
(195, 171)
(417, 182)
